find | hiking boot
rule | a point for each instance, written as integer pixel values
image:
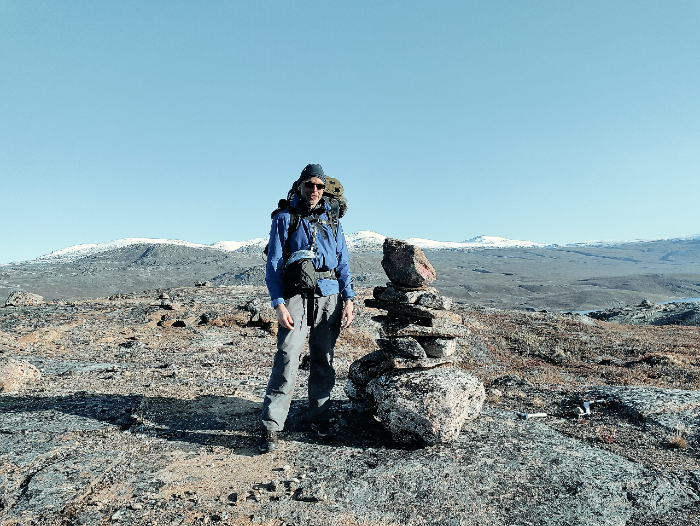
(324, 429)
(268, 441)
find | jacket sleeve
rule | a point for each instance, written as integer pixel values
(275, 258)
(343, 268)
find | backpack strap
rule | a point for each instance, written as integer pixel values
(334, 214)
(294, 222)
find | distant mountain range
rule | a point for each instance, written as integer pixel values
(362, 241)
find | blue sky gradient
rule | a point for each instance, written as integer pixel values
(553, 122)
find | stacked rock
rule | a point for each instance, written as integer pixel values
(410, 382)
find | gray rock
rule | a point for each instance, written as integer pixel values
(16, 374)
(427, 407)
(311, 491)
(399, 329)
(500, 471)
(435, 301)
(393, 294)
(672, 409)
(439, 317)
(439, 347)
(647, 313)
(398, 362)
(408, 347)
(170, 305)
(20, 298)
(406, 264)
(360, 374)
(510, 380)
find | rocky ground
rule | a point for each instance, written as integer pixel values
(146, 412)
(647, 313)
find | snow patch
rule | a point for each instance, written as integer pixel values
(232, 246)
(364, 240)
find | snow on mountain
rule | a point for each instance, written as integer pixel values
(79, 251)
(364, 240)
(614, 242)
(368, 240)
(499, 242)
(476, 242)
(233, 246)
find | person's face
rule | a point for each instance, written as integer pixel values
(311, 191)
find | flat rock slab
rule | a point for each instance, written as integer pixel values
(67, 413)
(51, 366)
(398, 362)
(45, 473)
(425, 296)
(417, 311)
(400, 330)
(674, 409)
(538, 476)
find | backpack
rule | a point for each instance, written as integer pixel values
(333, 193)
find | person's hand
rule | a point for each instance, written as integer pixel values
(346, 318)
(283, 317)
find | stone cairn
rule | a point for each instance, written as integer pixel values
(411, 383)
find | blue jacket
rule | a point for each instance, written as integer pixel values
(331, 251)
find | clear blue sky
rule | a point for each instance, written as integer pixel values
(554, 122)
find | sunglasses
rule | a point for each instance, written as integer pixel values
(314, 185)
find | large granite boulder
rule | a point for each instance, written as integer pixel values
(20, 298)
(16, 374)
(407, 264)
(427, 406)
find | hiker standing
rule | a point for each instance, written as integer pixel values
(307, 274)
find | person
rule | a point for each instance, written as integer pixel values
(307, 274)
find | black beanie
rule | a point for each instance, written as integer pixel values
(312, 170)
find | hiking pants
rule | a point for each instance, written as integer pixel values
(322, 327)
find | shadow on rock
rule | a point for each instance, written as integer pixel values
(353, 429)
(207, 420)
(229, 422)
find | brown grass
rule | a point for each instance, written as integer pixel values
(606, 434)
(551, 349)
(678, 441)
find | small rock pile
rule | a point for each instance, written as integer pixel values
(410, 382)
